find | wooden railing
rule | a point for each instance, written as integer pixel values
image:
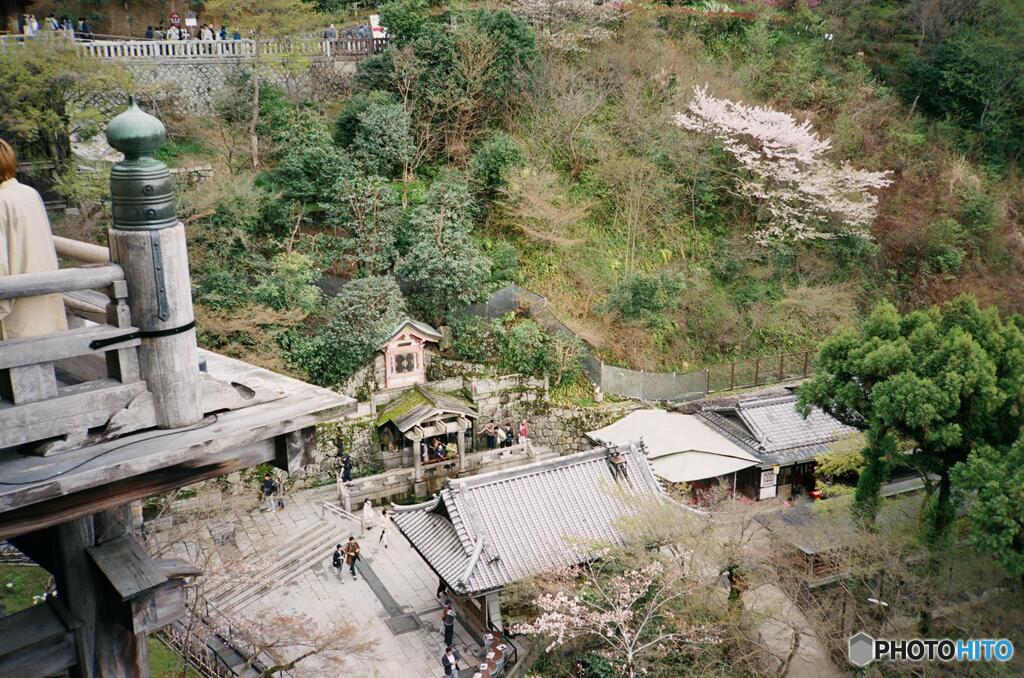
(61, 387)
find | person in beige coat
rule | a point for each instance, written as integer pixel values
(26, 246)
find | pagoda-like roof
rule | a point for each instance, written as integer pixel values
(419, 405)
(483, 532)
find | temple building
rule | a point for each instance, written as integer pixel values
(483, 532)
(403, 358)
(759, 447)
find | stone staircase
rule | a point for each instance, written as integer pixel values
(290, 560)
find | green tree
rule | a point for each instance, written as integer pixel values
(347, 124)
(382, 142)
(491, 163)
(290, 285)
(997, 511)
(645, 297)
(367, 207)
(47, 94)
(358, 319)
(405, 19)
(269, 19)
(928, 387)
(441, 267)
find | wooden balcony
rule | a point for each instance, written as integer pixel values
(78, 426)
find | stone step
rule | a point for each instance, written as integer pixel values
(315, 544)
(284, 556)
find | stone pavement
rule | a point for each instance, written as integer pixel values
(392, 600)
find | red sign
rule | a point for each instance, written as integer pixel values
(175, 19)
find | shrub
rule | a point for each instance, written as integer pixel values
(504, 263)
(644, 297)
(491, 163)
(290, 285)
(347, 123)
(405, 19)
(475, 339)
(382, 142)
(526, 349)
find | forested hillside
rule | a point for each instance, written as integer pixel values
(540, 143)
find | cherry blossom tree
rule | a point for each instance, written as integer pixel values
(634, 615)
(569, 25)
(805, 195)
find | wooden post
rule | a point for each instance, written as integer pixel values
(149, 242)
(732, 375)
(417, 463)
(782, 366)
(76, 588)
(807, 355)
(757, 371)
(461, 442)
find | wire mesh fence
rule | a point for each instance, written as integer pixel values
(642, 385)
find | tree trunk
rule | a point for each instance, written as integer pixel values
(254, 141)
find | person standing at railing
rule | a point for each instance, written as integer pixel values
(150, 33)
(26, 246)
(223, 35)
(51, 23)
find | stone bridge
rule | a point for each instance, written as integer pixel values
(191, 74)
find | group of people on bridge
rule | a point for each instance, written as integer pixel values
(207, 33)
(29, 25)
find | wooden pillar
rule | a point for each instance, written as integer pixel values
(417, 463)
(462, 449)
(119, 650)
(149, 242)
(77, 588)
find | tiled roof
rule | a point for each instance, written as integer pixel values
(421, 328)
(483, 532)
(774, 431)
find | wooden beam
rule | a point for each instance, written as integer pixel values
(127, 567)
(76, 586)
(295, 449)
(36, 642)
(159, 607)
(72, 506)
(28, 383)
(82, 408)
(83, 252)
(56, 282)
(60, 345)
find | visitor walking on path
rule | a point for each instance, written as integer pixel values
(524, 432)
(385, 528)
(26, 246)
(491, 435)
(369, 517)
(269, 490)
(346, 469)
(336, 559)
(352, 555)
(450, 661)
(448, 621)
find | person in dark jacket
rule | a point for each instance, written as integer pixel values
(336, 559)
(450, 661)
(448, 622)
(269, 490)
(352, 555)
(346, 469)
(149, 32)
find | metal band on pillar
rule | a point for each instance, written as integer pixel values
(149, 242)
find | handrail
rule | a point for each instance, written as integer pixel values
(84, 252)
(54, 282)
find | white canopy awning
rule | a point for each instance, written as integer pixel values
(681, 447)
(686, 467)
